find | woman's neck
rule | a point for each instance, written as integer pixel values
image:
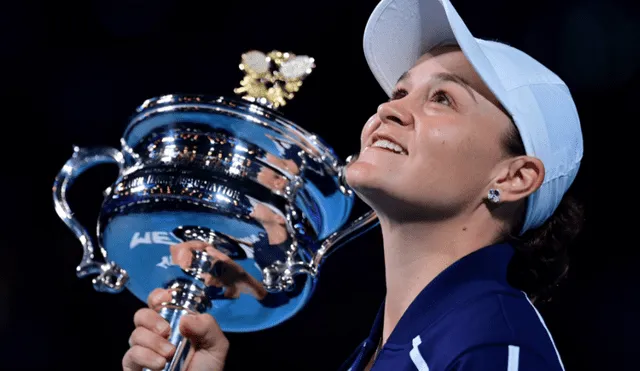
(416, 252)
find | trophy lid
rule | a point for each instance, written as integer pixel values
(273, 78)
(270, 81)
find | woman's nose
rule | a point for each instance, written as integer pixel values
(394, 112)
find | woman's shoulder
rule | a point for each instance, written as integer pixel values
(503, 317)
(484, 332)
(503, 314)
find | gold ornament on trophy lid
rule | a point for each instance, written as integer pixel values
(272, 79)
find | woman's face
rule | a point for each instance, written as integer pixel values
(443, 132)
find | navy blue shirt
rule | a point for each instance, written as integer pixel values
(467, 319)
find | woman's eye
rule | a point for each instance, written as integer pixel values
(398, 94)
(442, 98)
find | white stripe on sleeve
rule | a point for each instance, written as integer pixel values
(416, 357)
(514, 358)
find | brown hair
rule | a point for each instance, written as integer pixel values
(541, 260)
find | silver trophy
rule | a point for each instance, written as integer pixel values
(269, 196)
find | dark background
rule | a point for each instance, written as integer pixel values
(74, 72)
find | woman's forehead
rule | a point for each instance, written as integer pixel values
(449, 59)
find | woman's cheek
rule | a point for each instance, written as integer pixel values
(368, 128)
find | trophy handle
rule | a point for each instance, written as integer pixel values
(358, 227)
(111, 278)
(280, 275)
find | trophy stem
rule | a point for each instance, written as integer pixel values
(173, 316)
(186, 297)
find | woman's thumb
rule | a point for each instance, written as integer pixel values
(204, 333)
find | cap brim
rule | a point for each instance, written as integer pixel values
(399, 32)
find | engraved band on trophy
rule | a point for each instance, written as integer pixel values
(269, 196)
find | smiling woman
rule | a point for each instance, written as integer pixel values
(466, 166)
(473, 211)
(460, 185)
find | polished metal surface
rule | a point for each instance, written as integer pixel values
(186, 297)
(110, 277)
(269, 197)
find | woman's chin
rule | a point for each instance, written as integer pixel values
(363, 177)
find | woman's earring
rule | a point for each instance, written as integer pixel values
(494, 195)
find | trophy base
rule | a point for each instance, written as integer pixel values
(139, 244)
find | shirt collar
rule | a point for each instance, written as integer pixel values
(462, 278)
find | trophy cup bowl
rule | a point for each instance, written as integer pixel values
(269, 196)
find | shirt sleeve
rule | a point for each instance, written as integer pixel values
(502, 358)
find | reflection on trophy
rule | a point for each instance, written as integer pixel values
(262, 201)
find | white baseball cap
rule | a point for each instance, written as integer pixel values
(399, 32)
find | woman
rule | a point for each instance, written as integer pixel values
(467, 166)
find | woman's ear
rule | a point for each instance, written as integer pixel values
(521, 176)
